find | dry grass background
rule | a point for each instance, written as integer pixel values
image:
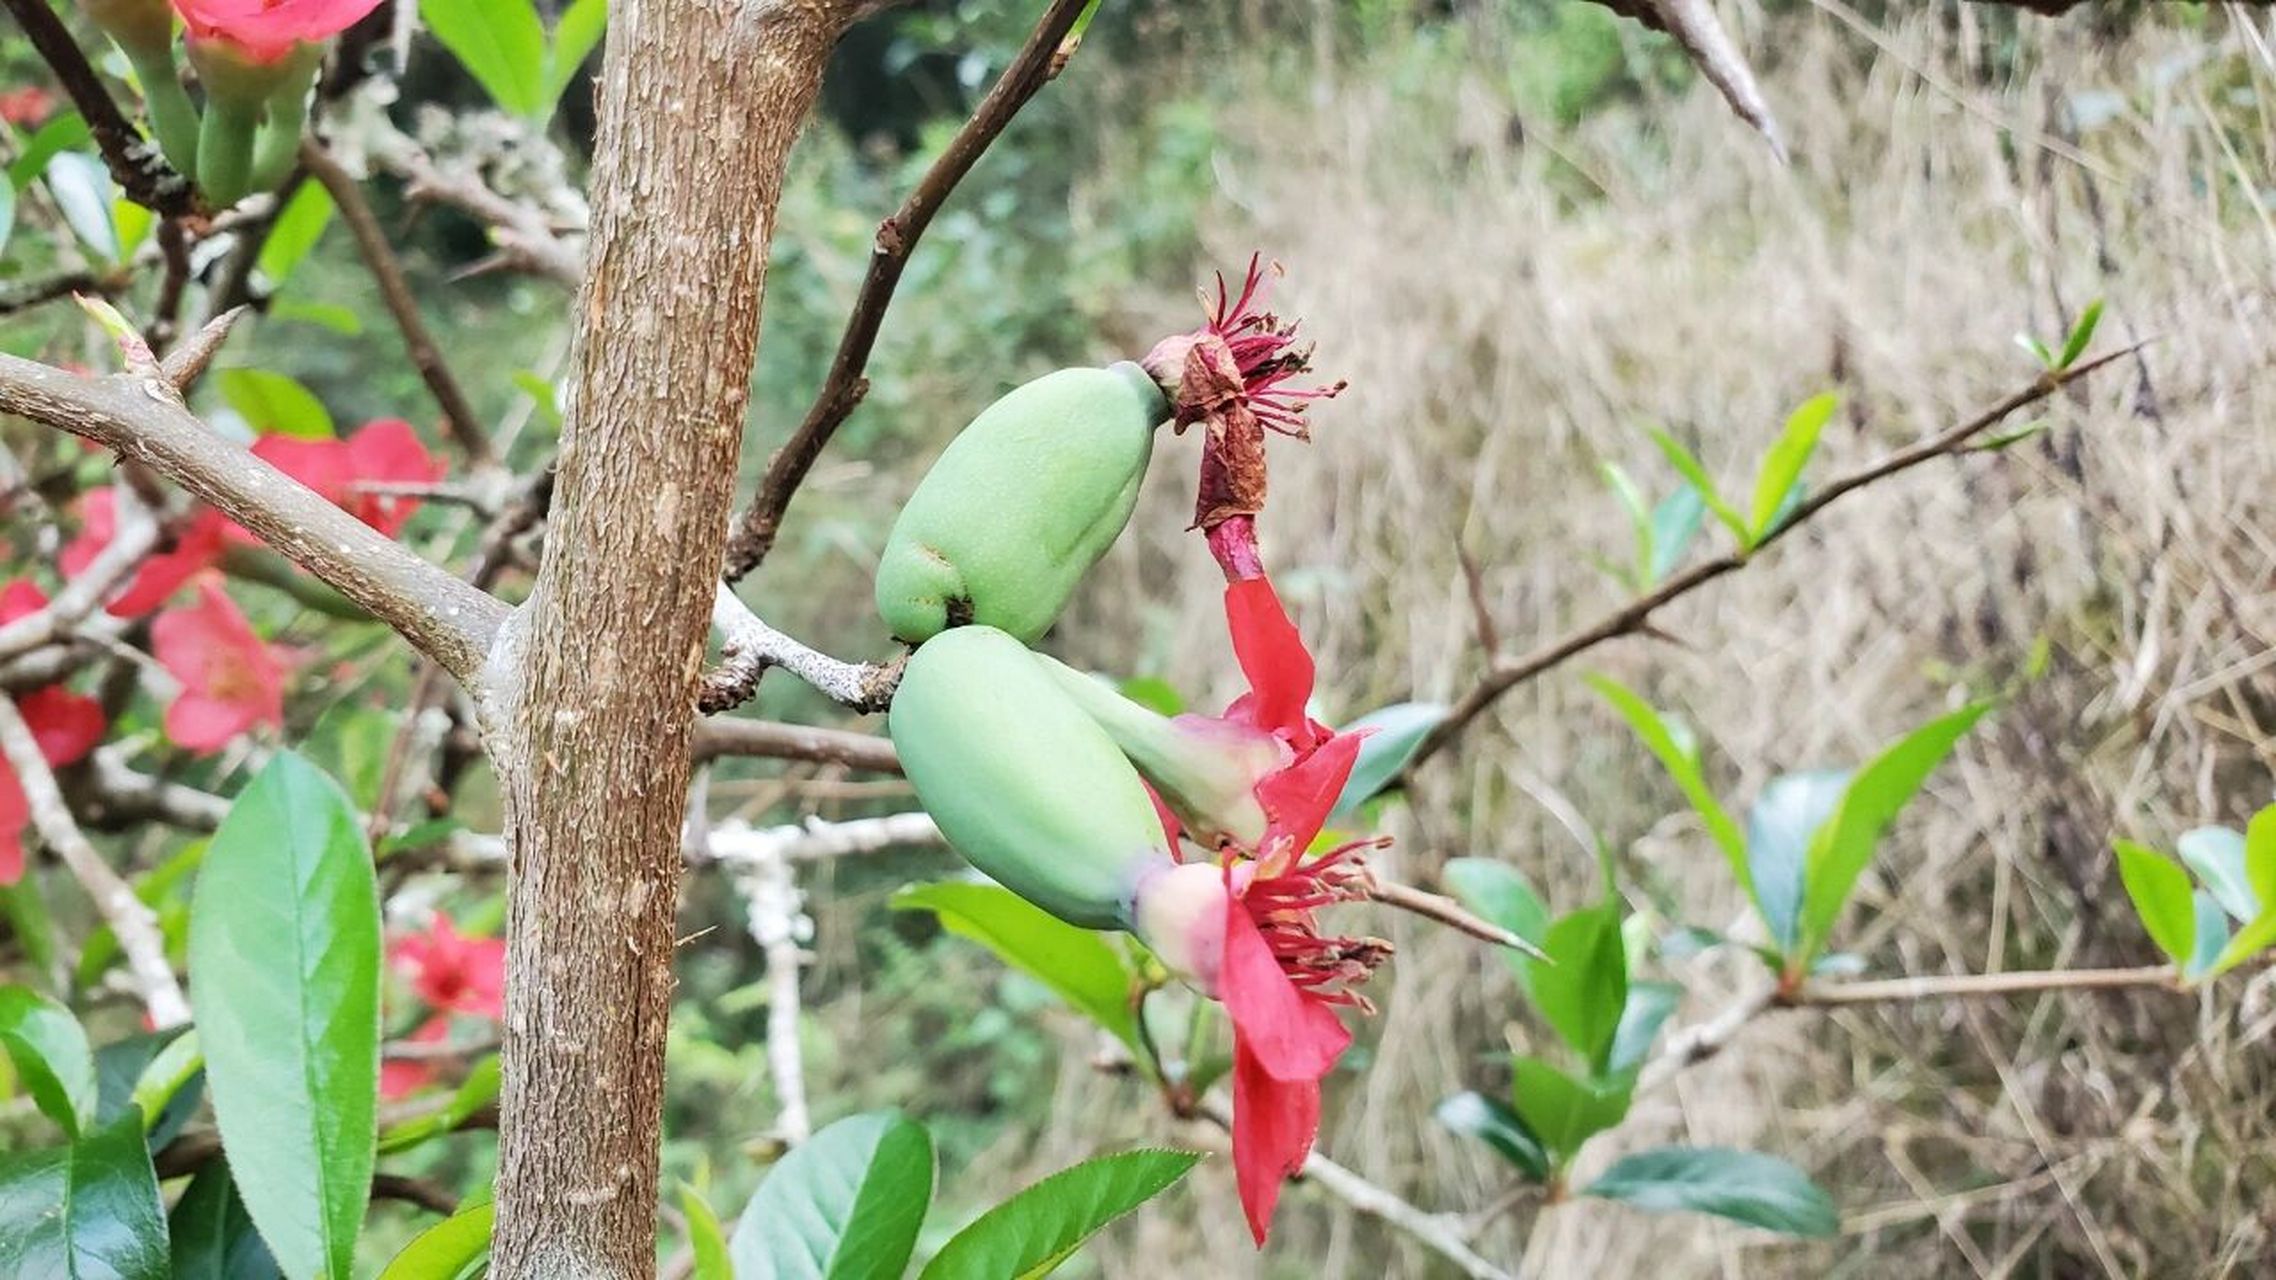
(1509, 313)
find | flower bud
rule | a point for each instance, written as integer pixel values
(1022, 783)
(1020, 506)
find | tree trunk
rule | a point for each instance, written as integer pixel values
(596, 676)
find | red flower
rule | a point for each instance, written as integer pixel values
(401, 1077)
(161, 575)
(384, 452)
(1233, 375)
(452, 972)
(230, 680)
(267, 30)
(66, 725)
(27, 106)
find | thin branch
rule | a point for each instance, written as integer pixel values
(1445, 1234)
(1031, 68)
(778, 924)
(1448, 912)
(131, 920)
(524, 235)
(144, 420)
(23, 297)
(432, 1197)
(135, 165)
(750, 647)
(133, 539)
(379, 259)
(770, 740)
(1635, 616)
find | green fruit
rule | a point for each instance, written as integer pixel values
(1020, 506)
(1024, 784)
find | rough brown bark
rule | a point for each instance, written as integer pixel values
(597, 675)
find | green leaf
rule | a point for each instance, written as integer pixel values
(1650, 1005)
(1032, 1233)
(1639, 519)
(1688, 467)
(284, 978)
(2260, 858)
(574, 39)
(1499, 892)
(1675, 526)
(324, 315)
(52, 139)
(2249, 941)
(1678, 753)
(452, 1249)
(1562, 1111)
(296, 231)
(501, 43)
(2217, 855)
(1782, 466)
(478, 1090)
(1077, 964)
(1785, 819)
(1154, 693)
(846, 1205)
(82, 190)
(2039, 350)
(1744, 1186)
(213, 1237)
(1490, 1120)
(1879, 792)
(87, 1210)
(51, 1055)
(1393, 734)
(2161, 894)
(174, 1069)
(2212, 938)
(1583, 989)
(274, 404)
(2081, 334)
(705, 1239)
(132, 222)
(119, 1069)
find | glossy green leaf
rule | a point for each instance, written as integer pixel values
(212, 1236)
(133, 223)
(284, 978)
(1032, 1233)
(2217, 855)
(2249, 941)
(87, 1210)
(175, 1068)
(1782, 466)
(298, 227)
(1678, 752)
(1781, 825)
(119, 1070)
(845, 1205)
(2260, 858)
(2161, 894)
(453, 1249)
(1490, 1120)
(2038, 350)
(1393, 733)
(2212, 938)
(1880, 791)
(705, 1239)
(1744, 1186)
(1077, 964)
(1649, 1006)
(65, 131)
(274, 404)
(1499, 892)
(574, 39)
(501, 43)
(478, 1090)
(1563, 1111)
(51, 1056)
(1676, 522)
(1703, 484)
(324, 315)
(1583, 989)
(2081, 334)
(82, 190)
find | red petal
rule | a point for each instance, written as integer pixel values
(20, 599)
(1293, 1036)
(14, 812)
(66, 725)
(230, 680)
(1274, 1122)
(1273, 657)
(1298, 799)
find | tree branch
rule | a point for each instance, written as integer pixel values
(143, 419)
(1635, 616)
(387, 272)
(749, 647)
(523, 235)
(1040, 59)
(132, 540)
(131, 921)
(134, 162)
(770, 740)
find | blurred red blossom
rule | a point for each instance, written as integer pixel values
(231, 681)
(66, 725)
(266, 30)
